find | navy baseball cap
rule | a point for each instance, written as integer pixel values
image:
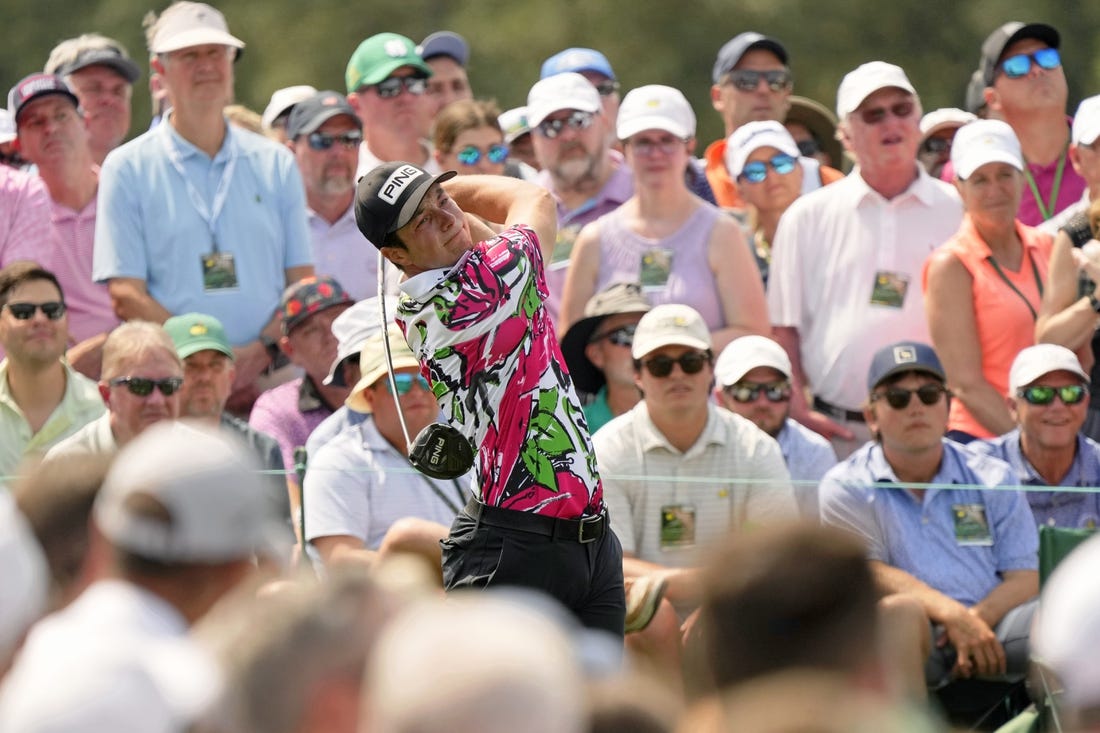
(730, 54)
(35, 87)
(445, 43)
(309, 114)
(904, 356)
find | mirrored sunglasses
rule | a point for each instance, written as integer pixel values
(750, 391)
(324, 141)
(1019, 65)
(576, 121)
(691, 362)
(757, 171)
(390, 88)
(53, 310)
(1040, 394)
(607, 88)
(405, 383)
(143, 386)
(621, 336)
(472, 155)
(747, 80)
(899, 398)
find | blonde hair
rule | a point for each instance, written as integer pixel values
(132, 340)
(465, 114)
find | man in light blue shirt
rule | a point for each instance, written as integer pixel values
(197, 215)
(753, 379)
(969, 555)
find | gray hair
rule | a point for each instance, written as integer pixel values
(70, 49)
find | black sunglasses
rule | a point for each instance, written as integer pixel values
(324, 141)
(875, 115)
(607, 88)
(899, 398)
(621, 336)
(747, 80)
(691, 362)
(53, 310)
(750, 391)
(1040, 394)
(808, 147)
(143, 386)
(390, 88)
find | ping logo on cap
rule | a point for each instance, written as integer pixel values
(398, 181)
(904, 354)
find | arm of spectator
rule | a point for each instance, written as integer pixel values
(1065, 318)
(788, 338)
(737, 279)
(1017, 586)
(87, 356)
(682, 583)
(949, 307)
(510, 201)
(343, 548)
(131, 300)
(965, 629)
(580, 277)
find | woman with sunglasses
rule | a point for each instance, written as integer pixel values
(983, 287)
(468, 138)
(679, 247)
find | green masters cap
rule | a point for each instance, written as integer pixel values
(378, 57)
(194, 332)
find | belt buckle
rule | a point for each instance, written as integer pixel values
(587, 522)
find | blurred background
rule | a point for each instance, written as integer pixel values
(663, 42)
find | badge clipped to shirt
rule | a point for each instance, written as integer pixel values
(563, 247)
(655, 268)
(889, 289)
(219, 272)
(971, 525)
(677, 526)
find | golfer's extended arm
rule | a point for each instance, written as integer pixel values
(509, 201)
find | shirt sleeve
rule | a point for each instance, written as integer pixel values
(293, 211)
(770, 498)
(120, 246)
(609, 448)
(784, 288)
(851, 508)
(1016, 537)
(335, 495)
(25, 223)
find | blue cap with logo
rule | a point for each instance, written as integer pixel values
(904, 356)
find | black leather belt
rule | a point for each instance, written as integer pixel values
(838, 413)
(583, 530)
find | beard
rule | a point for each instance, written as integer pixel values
(574, 171)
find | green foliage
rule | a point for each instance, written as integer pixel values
(936, 41)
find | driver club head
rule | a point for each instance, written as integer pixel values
(440, 451)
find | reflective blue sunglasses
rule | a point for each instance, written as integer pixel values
(1019, 65)
(405, 383)
(757, 171)
(471, 154)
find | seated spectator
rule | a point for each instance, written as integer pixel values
(753, 379)
(968, 555)
(291, 411)
(597, 352)
(360, 484)
(680, 248)
(937, 131)
(468, 138)
(1048, 395)
(42, 399)
(141, 380)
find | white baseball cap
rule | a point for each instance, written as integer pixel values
(186, 24)
(1086, 123)
(353, 327)
(667, 325)
(282, 100)
(513, 123)
(1039, 360)
(655, 107)
(943, 118)
(754, 135)
(744, 354)
(864, 81)
(7, 126)
(985, 141)
(568, 90)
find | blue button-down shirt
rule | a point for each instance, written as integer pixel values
(1054, 508)
(918, 536)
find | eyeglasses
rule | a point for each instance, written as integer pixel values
(405, 383)
(757, 171)
(691, 362)
(53, 310)
(1042, 395)
(390, 88)
(472, 155)
(808, 147)
(899, 398)
(647, 148)
(576, 121)
(607, 88)
(936, 145)
(875, 115)
(747, 80)
(621, 336)
(143, 386)
(1019, 65)
(323, 141)
(750, 391)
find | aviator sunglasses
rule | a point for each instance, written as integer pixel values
(899, 397)
(757, 171)
(1040, 394)
(53, 310)
(691, 362)
(576, 121)
(405, 382)
(472, 155)
(143, 386)
(746, 80)
(324, 141)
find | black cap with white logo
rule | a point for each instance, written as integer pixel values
(387, 198)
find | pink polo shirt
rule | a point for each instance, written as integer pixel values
(24, 215)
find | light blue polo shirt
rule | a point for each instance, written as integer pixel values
(148, 226)
(919, 536)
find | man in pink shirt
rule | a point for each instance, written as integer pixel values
(53, 134)
(24, 213)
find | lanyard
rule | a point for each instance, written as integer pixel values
(209, 214)
(1034, 272)
(1048, 210)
